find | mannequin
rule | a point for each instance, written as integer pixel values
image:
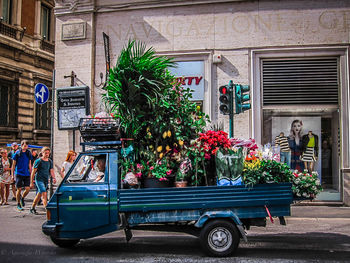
(309, 150)
(285, 153)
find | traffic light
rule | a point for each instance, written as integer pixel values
(241, 97)
(224, 100)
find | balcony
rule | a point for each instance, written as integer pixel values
(8, 30)
(47, 46)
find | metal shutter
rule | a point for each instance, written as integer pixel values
(300, 81)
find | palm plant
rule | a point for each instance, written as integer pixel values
(136, 84)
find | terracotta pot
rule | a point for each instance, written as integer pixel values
(181, 184)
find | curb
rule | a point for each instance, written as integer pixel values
(317, 219)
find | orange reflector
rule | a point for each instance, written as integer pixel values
(48, 215)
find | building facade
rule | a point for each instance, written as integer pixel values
(27, 37)
(294, 55)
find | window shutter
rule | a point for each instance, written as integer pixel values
(303, 81)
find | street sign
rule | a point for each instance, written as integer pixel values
(73, 103)
(41, 93)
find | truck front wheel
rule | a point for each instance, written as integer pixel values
(219, 238)
(64, 243)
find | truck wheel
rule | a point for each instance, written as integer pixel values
(219, 238)
(64, 243)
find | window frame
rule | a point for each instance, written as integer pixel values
(12, 99)
(8, 18)
(47, 34)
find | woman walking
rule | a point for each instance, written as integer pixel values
(66, 165)
(5, 176)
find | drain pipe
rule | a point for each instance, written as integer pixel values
(93, 58)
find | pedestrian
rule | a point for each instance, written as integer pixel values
(5, 176)
(21, 168)
(14, 148)
(41, 172)
(35, 155)
(66, 165)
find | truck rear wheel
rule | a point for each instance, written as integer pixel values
(64, 243)
(219, 238)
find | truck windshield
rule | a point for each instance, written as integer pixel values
(89, 168)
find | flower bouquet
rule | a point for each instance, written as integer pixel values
(305, 185)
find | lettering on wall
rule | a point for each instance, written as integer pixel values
(236, 23)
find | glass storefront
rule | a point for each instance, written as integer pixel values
(308, 139)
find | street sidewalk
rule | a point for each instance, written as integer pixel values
(320, 212)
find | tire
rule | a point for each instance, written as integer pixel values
(219, 238)
(64, 243)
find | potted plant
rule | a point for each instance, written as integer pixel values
(185, 166)
(157, 174)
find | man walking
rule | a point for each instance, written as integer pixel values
(21, 168)
(42, 169)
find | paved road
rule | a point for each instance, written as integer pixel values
(312, 234)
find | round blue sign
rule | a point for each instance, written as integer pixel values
(41, 93)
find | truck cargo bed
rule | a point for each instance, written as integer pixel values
(248, 202)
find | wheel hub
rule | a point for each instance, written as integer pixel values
(220, 239)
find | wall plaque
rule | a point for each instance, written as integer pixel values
(71, 31)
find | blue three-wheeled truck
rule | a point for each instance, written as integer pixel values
(88, 204)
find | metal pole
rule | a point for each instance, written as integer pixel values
(73, 139)
(52, 123)
(231, 90)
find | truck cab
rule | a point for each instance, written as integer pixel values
(85, 204)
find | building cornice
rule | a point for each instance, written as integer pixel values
(66, 7)
(7, 41)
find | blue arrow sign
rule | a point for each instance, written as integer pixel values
(41, 93)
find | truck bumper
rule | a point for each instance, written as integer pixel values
(49, 230)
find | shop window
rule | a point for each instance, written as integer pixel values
(45, 22)
(6, 8)
(311, 141)
(8, 107)
(43, 116)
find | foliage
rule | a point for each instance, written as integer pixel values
(258, 171)
(159, 169)
(263, 171)
(305, 184)
(148, 101)
(135, 85)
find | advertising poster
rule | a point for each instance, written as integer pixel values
(191, 75)
(301, 125)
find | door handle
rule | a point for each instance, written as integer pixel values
(103, 196)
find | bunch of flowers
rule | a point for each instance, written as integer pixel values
(305, 184)
(263, 171)
(159, 169)
(129, 166)
(211, 141)
(245, 143)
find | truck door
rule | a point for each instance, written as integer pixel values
(83, 196)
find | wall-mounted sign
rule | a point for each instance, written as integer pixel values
(191, 75)
(74, 30)
(73, 103)
(41, 93)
